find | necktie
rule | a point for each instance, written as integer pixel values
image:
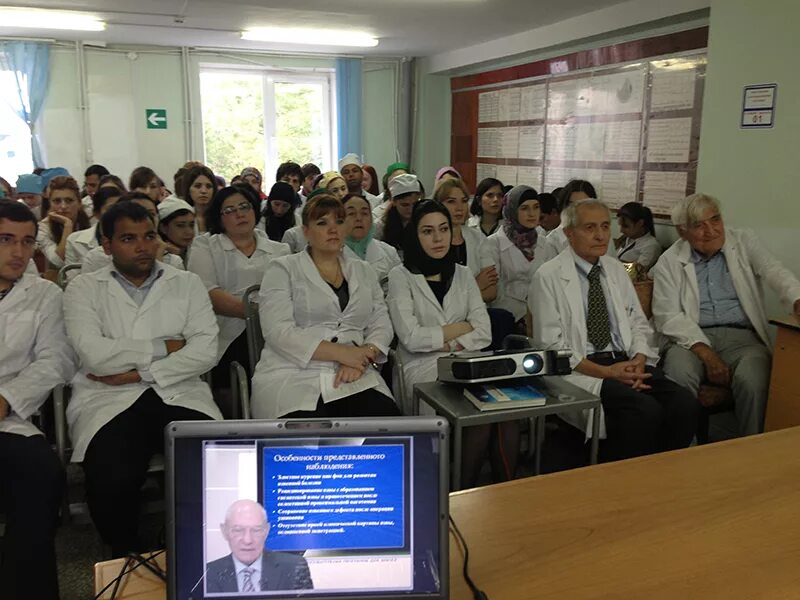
(598, 327)
(247, 583)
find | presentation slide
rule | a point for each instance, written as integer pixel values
(335, 497)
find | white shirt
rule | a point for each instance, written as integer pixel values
(35, 355)
(255, 576)
(113, 335)
(220, 264)
(295, 239)
(476, 258)
(79, 243)
(97, 259)
(644, 250)
(374, 201)
(46, 243)
(475, 222)
(299, 310)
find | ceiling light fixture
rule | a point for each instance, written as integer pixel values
(313, 37)
(49, 19)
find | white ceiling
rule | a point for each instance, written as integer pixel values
(404, 27)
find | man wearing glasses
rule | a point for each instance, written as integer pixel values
(708, 302)
(250, 568)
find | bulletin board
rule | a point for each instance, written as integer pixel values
(626, 117)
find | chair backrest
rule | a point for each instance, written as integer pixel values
(252, 324)
(62, 279)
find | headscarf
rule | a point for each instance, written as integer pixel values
(276, 226)
(359, 246)
(522, 237)
(251, 171)
(415, 258)
(327, 178)
(444, 171)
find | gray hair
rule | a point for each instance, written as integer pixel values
(569, 216)
(692, 208)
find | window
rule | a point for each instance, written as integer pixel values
(263, 118)
(15, 138)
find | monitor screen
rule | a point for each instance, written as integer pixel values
(333, 512)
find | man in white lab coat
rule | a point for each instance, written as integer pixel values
(584, 300)
(144, 332)
(708, 302)
(35, 356)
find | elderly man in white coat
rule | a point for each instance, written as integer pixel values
(35, 356)
(708, 302)
(144, 332)
(584, 300)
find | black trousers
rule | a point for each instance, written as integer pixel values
(643, 422)
(369, 403)
(32, 483)
(116, 464)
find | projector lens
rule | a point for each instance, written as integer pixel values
(532, 364)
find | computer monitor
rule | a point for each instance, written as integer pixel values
(347, 509)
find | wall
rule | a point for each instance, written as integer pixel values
(753, 172)
(120, 86)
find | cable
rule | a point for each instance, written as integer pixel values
(140, 560)
(477, 593)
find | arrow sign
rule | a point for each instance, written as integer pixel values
(156, 118)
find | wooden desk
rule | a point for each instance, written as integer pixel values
(783, 408)
(714, 521)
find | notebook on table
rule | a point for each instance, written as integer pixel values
(347, 509)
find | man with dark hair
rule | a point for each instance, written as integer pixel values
(145, 332)
(549, 215)
(91, 182)
(35, 357)
(310, 172)
(350, 168)
(291, 173)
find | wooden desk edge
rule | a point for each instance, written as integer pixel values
(789, 322)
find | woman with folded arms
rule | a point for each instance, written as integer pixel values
(360, 242)
(325, 326)
(230, 259)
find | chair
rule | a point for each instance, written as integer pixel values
(62, 279)
(252, 324)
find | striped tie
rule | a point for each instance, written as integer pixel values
(247, 583)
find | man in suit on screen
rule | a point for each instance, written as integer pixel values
(250, 568)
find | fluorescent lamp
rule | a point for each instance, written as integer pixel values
(313, 37)
(49, 19)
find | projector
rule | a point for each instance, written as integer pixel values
(479, 367)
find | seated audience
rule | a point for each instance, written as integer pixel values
(516, 252)
(708, 302)
(250, 567)
(145, 181)
(549, 215)
(353, 174)
(65, 217)
(80, 243)
(29, 192)
(198, 186)
(360, 241)
(638, 243)
(91, 183)
(230, 259)
(487, 206)
(144, 332)
(98, 258)
(405, 192)
(279, 211)
(584, 301)
(35, 357)
(325, 326)
(176, 226)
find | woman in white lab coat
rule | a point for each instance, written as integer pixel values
(80, 243)
(516, 251)
(230, 259)
(638, 243)
(329, 183)
(325, 327)
(360, 242)
(487, 206)
(176, 225)
(64, 217)
(405, 191)
(197, 187)
(436, 309)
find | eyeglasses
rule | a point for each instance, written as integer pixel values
(241, 208)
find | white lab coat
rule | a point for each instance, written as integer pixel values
(46, 243)
(381, 257)
(299, 310)
(374, 201)
(220, 264)
(676, 297)
(644, 250)
(559, 319)
(475, 222)
(112, 335)
(295, 239)
(418, 319)
(35, 355)
(79, 244)
(97, 259)
(514, 270)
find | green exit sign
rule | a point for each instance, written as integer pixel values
(156, 118)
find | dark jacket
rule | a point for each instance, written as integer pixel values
(279, 571)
